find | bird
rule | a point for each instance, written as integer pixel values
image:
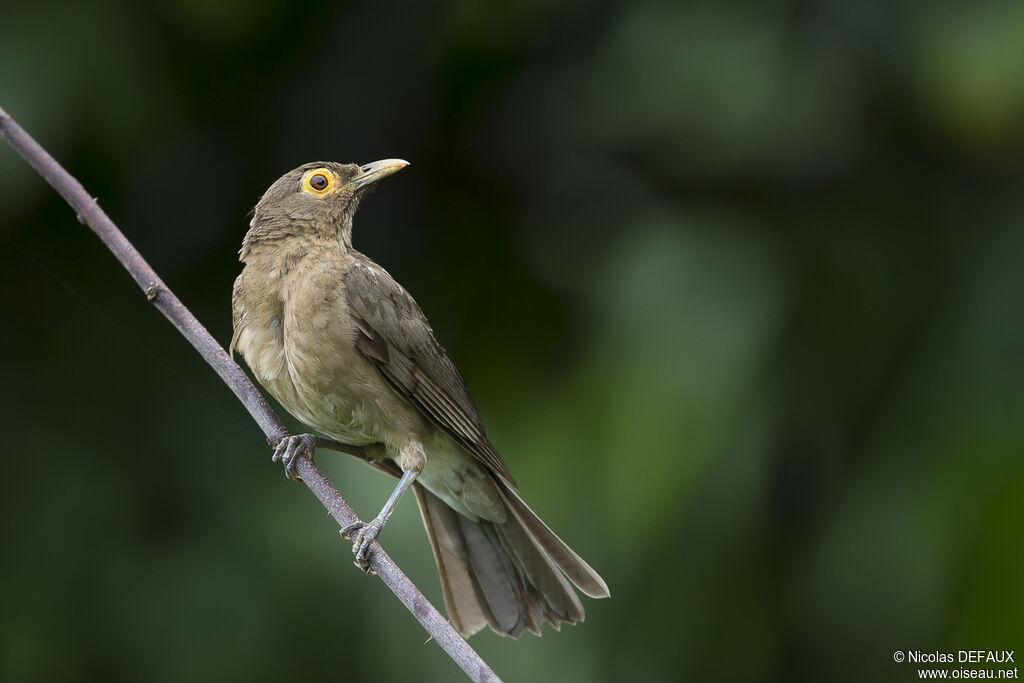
(346, 350)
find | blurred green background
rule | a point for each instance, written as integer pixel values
(737, 287)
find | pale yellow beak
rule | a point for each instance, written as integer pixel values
(371, 173)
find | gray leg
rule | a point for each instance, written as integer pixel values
(290, 448)
(363, 534)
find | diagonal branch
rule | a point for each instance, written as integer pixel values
(90, 213)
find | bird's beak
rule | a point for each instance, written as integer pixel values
(371, 173)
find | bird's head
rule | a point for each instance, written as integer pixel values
(315, 201)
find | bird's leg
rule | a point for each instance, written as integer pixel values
(362, 534)
(290, 448)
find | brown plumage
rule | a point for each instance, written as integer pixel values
(346, 350)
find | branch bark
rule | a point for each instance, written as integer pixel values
(90, 213)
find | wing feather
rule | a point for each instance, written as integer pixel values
(392, 331)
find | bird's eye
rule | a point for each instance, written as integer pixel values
(319, 182)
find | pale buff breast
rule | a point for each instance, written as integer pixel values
(297, 338)
(303, 351)
(258, 333)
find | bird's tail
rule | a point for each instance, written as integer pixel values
(510, 576)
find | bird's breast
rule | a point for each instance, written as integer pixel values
(299, 340)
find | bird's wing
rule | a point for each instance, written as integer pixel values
(392, 331)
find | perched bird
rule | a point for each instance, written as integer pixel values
(347, 351)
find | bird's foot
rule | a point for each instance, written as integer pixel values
(362, 535)
(290, 448)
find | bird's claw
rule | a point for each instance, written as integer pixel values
(290, 448)
(362, 535)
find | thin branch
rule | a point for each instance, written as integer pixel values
(90, 213)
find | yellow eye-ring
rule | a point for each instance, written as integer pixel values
(318, 181)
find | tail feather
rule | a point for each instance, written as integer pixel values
(508, 576)
(545, 587)
(574, 566)
(463, 597)
(495, 575)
